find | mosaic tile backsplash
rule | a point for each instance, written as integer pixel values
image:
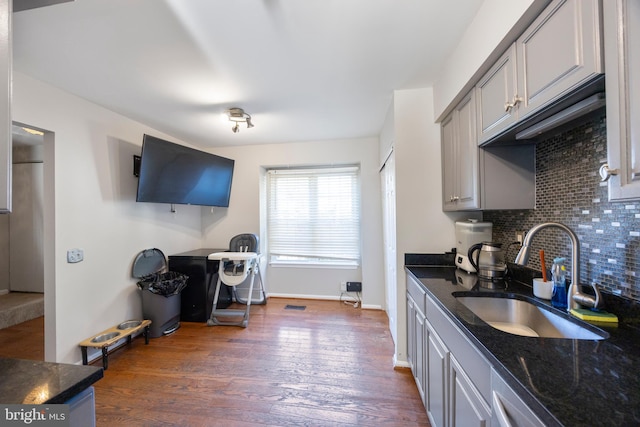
(568, 190)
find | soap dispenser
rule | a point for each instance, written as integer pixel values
(558, 274)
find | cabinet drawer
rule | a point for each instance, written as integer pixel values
(474, 364)
(508, 407)
(417, 293)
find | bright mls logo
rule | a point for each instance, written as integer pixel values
(34, 415)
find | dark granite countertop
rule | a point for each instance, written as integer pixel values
(35, 382)
(567, 382)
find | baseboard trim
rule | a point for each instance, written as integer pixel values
(401, 365)
(321, 297)
(4, 291)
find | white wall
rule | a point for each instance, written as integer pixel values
(89, 181)
(387, 134)
(243, 214)
(421, 225)
(90, 204)
(494, 27)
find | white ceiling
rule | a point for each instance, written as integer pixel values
(304, 69)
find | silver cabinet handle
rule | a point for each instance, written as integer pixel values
(501, 414)
(517, 99)
(606, 173)
(508, 106)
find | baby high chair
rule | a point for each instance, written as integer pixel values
(247, 243)
(234, 268)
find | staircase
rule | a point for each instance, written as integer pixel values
(18, 307)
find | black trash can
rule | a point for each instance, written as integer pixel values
(160, 290)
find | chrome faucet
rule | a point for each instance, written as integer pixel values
(575, 298)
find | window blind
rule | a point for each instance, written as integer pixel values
(313, 215)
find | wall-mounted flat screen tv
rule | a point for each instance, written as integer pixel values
(175, 174)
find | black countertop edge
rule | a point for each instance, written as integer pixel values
(564, 381)
(79, 386)
(416, 259)
(37, 382)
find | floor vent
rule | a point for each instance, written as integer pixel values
(294, 307)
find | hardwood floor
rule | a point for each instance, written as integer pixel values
(24, 340)
(327, 365)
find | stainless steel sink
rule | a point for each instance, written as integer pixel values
(520, 317)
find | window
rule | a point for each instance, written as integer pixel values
(313, 216)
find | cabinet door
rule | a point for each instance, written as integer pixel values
(509, 410)
(467, 408)
(467, 159)
(420, 362)
(496, 92)
(437, 376)
(416, 344)
(411, 335)
(561, 50)
(460, 184)
(622, 36)
(449, 167)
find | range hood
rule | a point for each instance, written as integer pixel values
(579, 109)
(579, 103)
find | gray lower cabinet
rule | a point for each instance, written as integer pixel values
(622, 57)
(437, 378)
(457, 374)
(416, 331)
(82, 409)
(457, 384)
(411, 339)
(466, 405)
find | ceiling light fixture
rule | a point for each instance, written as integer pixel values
(237, 115)
(33, 131)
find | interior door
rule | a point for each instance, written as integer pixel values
(387, 176)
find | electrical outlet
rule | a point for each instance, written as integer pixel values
(343, 286)
(75, 255)
(354, 286)
(520, 236)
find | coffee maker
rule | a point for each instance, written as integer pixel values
(469, 233)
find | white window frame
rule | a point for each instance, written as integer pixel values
(322, 227)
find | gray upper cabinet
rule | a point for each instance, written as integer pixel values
(460, 181)
(5, 106)
(559, 52)
(483, 178)
(622, 56)
(495, 92)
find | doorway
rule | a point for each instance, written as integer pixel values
(22, 285)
